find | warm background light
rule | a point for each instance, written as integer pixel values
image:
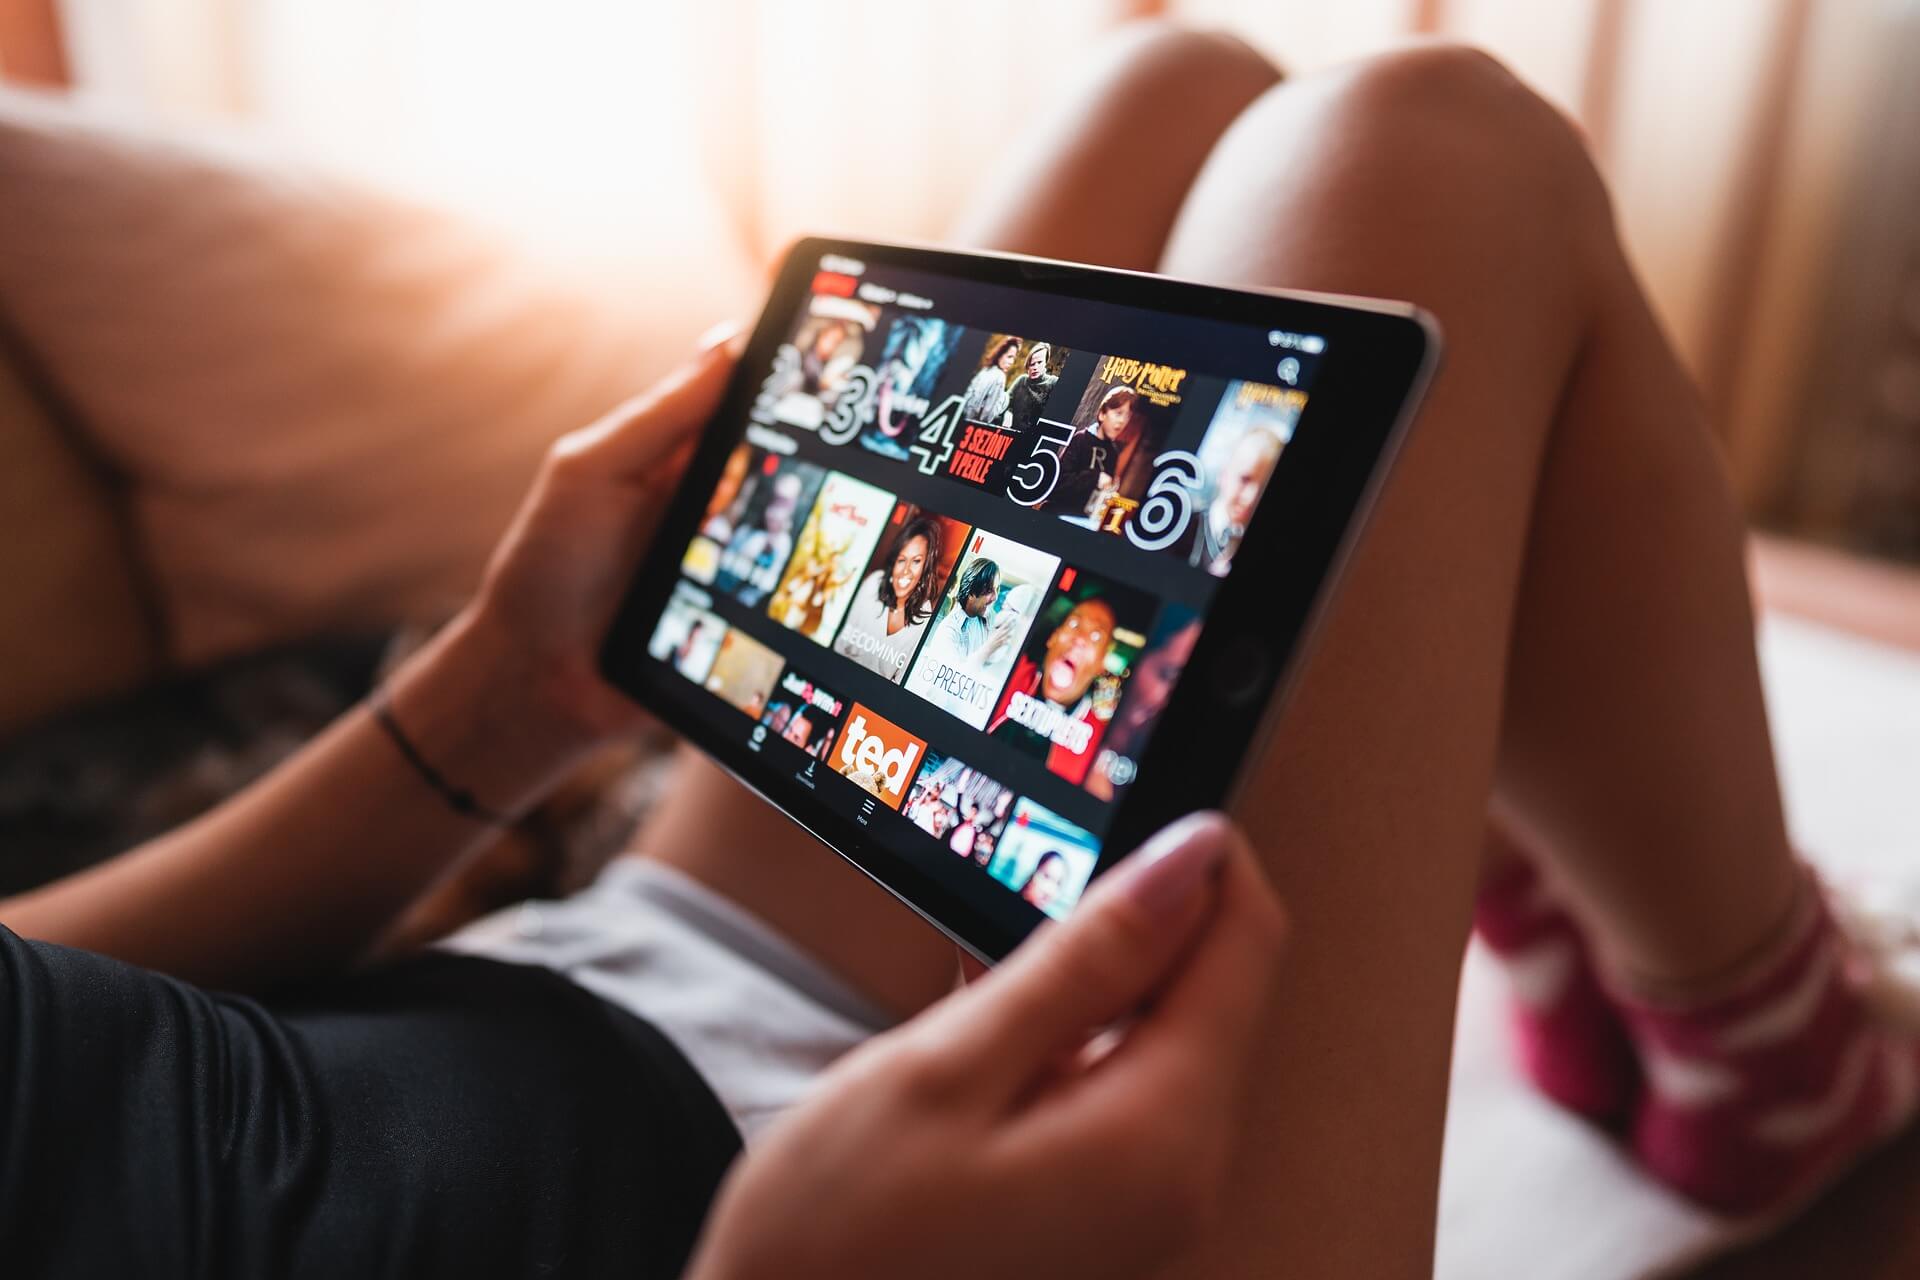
(1734, 132)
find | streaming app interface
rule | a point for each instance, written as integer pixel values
(958, 558)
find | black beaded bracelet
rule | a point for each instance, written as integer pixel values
(459, 799)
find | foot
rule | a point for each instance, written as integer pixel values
(1570, 1042)
(1762, 1093)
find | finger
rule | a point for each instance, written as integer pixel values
(1172, 1094)
(662, 477)
(1196, 1041)
(653, 491)
(1075, 977)
(630, 442)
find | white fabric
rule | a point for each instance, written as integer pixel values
(758, 1018)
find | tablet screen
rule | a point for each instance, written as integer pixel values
(964, 540)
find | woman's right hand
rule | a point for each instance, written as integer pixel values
(1001, 1133)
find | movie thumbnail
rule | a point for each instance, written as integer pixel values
(803, 713)
(895, 600)
(688, 634)
(743, 671)
(876, 755)
(991, 600)
(758, 523)
(1149, 687)
(916, 352)
(959, 806)
(701, 560)
(1045, 859)
(1012, 380)
(1237, 456)
(813, 370)
(1066, 686)
(1107, 462)
(833, 546)
(725, 507)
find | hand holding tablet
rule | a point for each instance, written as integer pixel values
(987, 568)
(1005, 1131)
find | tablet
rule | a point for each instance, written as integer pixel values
(988, 567)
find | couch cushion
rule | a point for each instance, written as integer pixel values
(326, 402)
(72, 622)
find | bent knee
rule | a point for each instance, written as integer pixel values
(1491, 135)
(1170, 58)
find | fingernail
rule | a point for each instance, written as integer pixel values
(1171, 869)
(727, 333)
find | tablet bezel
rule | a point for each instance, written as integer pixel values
(1381, 355)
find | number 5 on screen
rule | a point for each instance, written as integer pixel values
(1034, 479)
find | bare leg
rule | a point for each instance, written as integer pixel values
(1055, 199)
(1156, 94)
(1559, 492)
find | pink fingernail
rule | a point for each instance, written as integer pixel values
(1169, 870)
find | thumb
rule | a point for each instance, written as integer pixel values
(630, 442)
(1116, 950)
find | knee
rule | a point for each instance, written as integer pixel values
(1168, 62)
(1457, 123)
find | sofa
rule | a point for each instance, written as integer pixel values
(260, 427)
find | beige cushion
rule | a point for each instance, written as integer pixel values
(72, 624)
(326, 402)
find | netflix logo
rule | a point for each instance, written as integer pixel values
(834, 284)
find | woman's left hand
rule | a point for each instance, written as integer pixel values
(556, 579)
(308, 869)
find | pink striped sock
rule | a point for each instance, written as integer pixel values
(1570, 1042)
(1761, 1094)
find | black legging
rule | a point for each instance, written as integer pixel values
(447, 1116)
